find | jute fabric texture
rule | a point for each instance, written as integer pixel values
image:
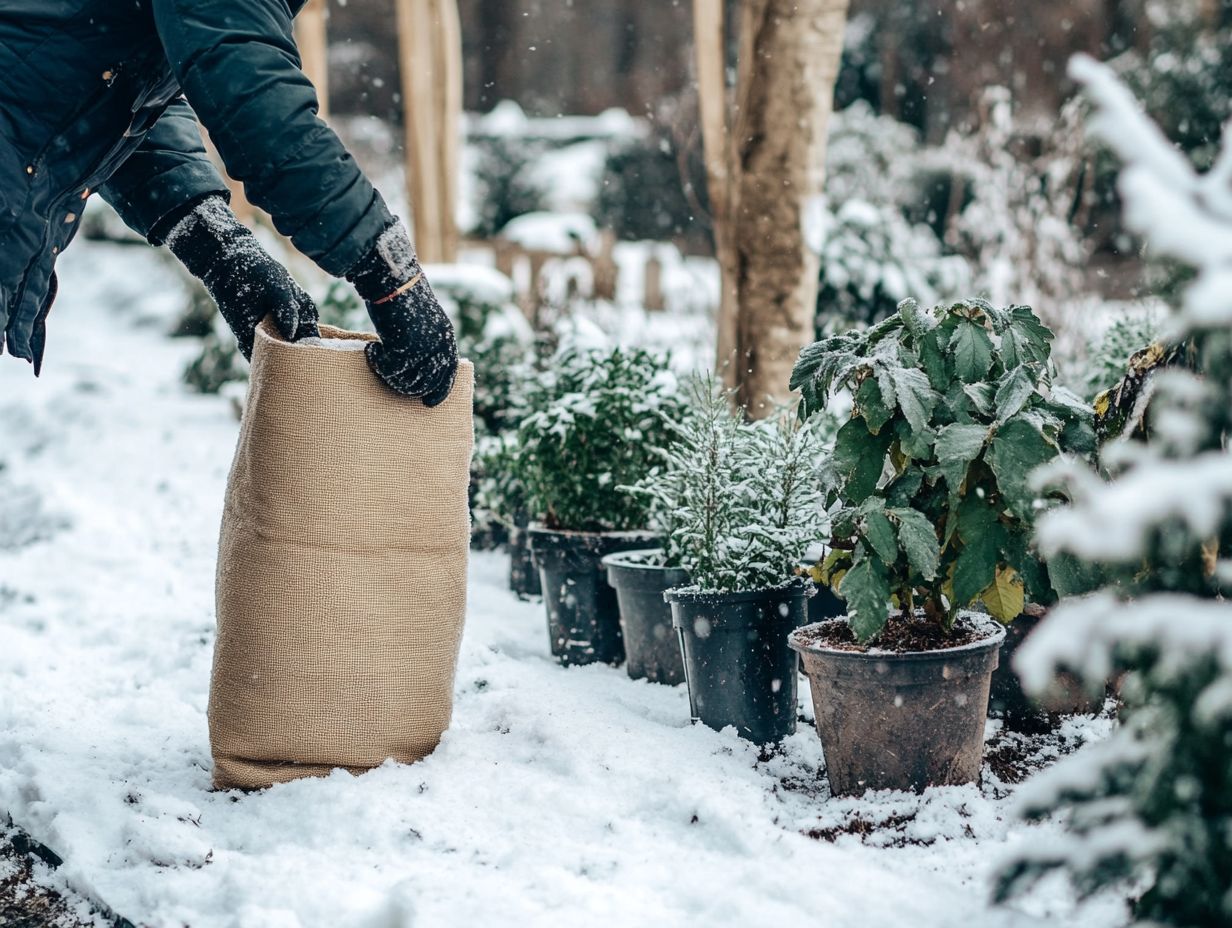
(341, 585)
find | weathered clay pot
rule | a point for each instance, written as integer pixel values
(900, 721)
(737, 662)
(652, 647)
(582, 611)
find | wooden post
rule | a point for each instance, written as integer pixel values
(310, 36)
(430, 50)
(654, 284)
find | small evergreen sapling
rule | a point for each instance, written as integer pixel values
(1149, 811)
(737, 502)
(598, 423)
(932, 511)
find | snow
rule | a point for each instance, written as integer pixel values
(557, 796)
(560, 233)
(508, 119)
(334, 344)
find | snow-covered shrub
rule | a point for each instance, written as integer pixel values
(737, 502)
(873, 253)
(1108, 355)
(953, 408)
(1184, 76)
(499, 495)
(873, 258)
(598, 422)
(1150, 811)
(1016, 229)
(507, 189)
(653, 187)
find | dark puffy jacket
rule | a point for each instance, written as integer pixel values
(90, 100)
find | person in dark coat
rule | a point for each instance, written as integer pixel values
(102, 96)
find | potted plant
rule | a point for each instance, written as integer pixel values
(499, 493)
(598, 424)
(932, 513)
(641, 577)
(746, 506)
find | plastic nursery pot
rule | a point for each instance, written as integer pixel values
(652, 648)
(737, 662)
(583, 614)
(1066, 696)
(523, 577)
(902, 721)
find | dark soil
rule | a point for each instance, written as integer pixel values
(23, 902)
(1009, 758)
(857, 825)
(900, 636)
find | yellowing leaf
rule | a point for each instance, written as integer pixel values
(1004, 597)
(1103, 402)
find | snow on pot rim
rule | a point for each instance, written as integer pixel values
(638, 559)
(976, 620)
(692, 594)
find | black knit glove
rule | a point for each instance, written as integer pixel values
(245, 282)
(417, 354)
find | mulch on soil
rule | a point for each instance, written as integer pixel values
(24, 903)
(899, 636)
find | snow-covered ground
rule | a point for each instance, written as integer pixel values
(558, 797)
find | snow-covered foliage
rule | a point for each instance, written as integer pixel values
(1151, 809)
(1184, 75)
(738, 503)
(1016, 229)
(875, 248)
(1107, 355)
(929, 479)
(598, 422)
(873, 258)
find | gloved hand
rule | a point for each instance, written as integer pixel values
(417, 354)
(240, 275)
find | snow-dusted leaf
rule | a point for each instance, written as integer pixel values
(918, 539)
(1016, 449)
(957, 446)
(1013, 391)
(972, 351)
(866, 588)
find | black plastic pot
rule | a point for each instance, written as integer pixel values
(523, 576)
(652, 647)
(583, 615)
(900, 721)
(737, 662)
(826, 604)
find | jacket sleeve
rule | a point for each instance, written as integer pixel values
(238, 65)
(170, 168)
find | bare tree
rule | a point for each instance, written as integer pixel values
(765, 177)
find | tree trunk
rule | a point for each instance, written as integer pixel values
(789, 60)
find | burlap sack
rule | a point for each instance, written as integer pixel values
(341, 582)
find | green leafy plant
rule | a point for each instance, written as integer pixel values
(737, 503)
(952, 409)
(598, 423)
